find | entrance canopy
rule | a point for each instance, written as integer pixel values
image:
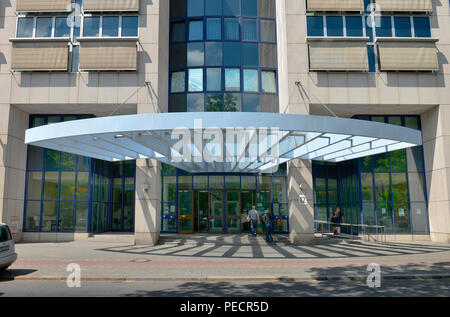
(208, 142)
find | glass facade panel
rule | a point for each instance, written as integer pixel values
(268, 82)
(214, 54)
(110, 26)
(214, 79)
(213, 7)
(196, 30)
(62, 28)
(91, 26)
(249, 30)
(251, 80)
(213, 29)
(267, 31)
(195, 8)
(178, 31)
(334, 26)
(44, 27)
(177, 83)
(33, 215)
(25, 27)
(34, 185)
(130, 25)
(232, 79)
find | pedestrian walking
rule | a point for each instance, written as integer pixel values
(254, 218)
(337, 219)
(268, 220)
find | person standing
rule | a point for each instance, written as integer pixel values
(254, 218)
(339, 218)
(269, 222)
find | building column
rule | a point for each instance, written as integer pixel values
(436, 147)
(13, 158)
(301, 216)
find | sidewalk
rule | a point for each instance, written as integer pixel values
(229, 258)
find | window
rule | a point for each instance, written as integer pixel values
(314, 25)
(25, 27)
(232, 29)
(384, 29)
(232, 79)
(110, 26)
(195, 54)
(214, 79)
(195, 8)
(354, 26)
(402, 26)
(195, 80)
(267, 30)
(250, 54)
(232, 54)
(213, 53)
(213, 7)
(268, 81)
(231, 8)
(249, 8)
(178, 31)
(196, 30)
(213, 29)
(334, 26)
(422, 27)
(91, 26)
(251, 80)
(62, 28)
(177, 82)
(44, 27)
(249, 32)
(130, 25)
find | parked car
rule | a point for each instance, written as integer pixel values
(7, 249)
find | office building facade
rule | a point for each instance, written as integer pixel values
(372, 61)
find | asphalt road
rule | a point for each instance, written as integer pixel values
(401, 287)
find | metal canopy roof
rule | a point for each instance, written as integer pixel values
(200, 142)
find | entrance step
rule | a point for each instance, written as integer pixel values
(219, 239)
(123, 238)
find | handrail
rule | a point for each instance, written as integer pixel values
(356, 225)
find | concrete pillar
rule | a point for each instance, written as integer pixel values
(13, 154)
(436, 146)
(148, 202)
(301, 217)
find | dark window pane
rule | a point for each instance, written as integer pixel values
(366, 164)
(231, 8)
(67, 162)
(398, 161)
(399, 187)
(25, 27)
(49, 211)
(232, 54)
(214, 79)
(196, 30)
(177, 83)
(381, 162)
(177, 103)
(178, 31)
(268, 55)
(214, 102)
(195, 8)
(402, 26)
(51, 160)
(232, 102)
(422, 27)
(354, 26)
(35, 158)
(66, 209)
(178, 55)
(213, 7)
(251, 103)
(314, 25)
(195, 103)
(384, 27)
(33, 215)
(384, 216)
(195, 54)
(91, 26)
(249, 32)
(178, 8)
(214, 54)
(214, 29)
(75, 63)
(249, 8)
(110, 26)
(371, 56)
(412, 122)
(130, 26)
(250, 54)
(231, 29)
(335, 26)
(382, 187)
(62, 29)
(401, 218)
(415, 159)
(267, 31)
(44, 27)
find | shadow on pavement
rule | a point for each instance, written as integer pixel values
(320, 286)
(11, 274)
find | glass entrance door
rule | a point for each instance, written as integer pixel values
(233, 212)
(248, 200)
(185, 212)
(263, 198)
(216, 212)
(201, 206)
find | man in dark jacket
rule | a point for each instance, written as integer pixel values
(268, 221)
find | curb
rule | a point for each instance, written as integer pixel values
(224, 278)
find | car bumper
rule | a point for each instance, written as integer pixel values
(8, 259)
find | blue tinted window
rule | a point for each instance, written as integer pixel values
(195, 102)
(25, 27)
(231, 7)
(422, 27)
(62, 28)
(249, 31)
(354, 26)
(369, 29)
(402, 26)
(315, 26)
(214, 29)
(196, 30)
(335, 26)
(232, 54)
(250, 8)
(110, 26)
(195, 54)
(44, 27)
(232, 79)
(213, 7)
(177, 82)
(250, 54)
(91, 26)
(251, 80)
(214, 79)
(195, 8)
(130, 26)
(195, 82)
(232, 29)
(213, 53)
(178, 31)
(251, 103)
(384, 27)
(371, 56)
